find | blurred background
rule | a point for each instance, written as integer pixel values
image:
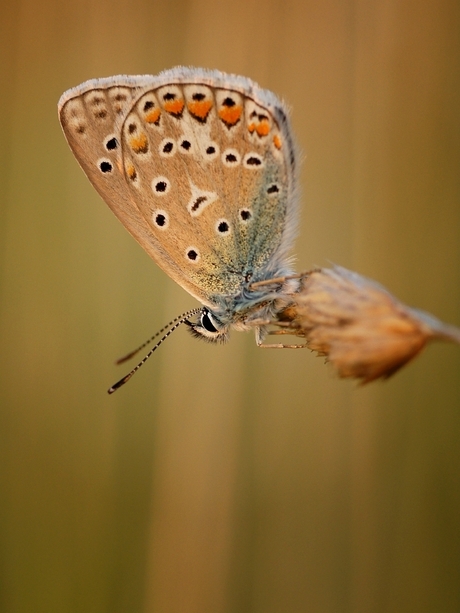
(229, 479)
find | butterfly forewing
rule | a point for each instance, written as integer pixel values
(92, 116)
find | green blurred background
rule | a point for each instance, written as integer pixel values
(229, 479)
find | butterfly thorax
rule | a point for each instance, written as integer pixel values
(249, 309)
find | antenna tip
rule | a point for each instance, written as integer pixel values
(127, 357)
(118, 384)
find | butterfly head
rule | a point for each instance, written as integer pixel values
(208, 327)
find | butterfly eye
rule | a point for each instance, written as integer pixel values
(209, 328)
(207, 322)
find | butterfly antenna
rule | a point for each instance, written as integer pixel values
(175, 323)
(178, 320)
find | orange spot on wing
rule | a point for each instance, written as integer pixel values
(153, 116)
(230, 114)
(200, 108)
(263, 128)
(139, 143)
(131, 171)
(277, 141)
(174, 106)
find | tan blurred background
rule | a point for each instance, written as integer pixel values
(229, 479)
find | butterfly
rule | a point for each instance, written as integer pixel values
(200, 167)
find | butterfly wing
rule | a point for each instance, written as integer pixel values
(197, 165)
(91, 116)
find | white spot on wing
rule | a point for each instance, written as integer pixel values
(200, 200)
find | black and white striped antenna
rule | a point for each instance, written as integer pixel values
(175, 323)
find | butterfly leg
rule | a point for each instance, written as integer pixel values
(261, 333)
